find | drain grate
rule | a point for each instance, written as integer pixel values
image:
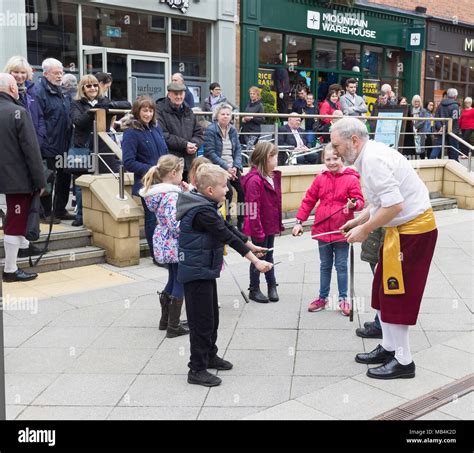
(428, 403)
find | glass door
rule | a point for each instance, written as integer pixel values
(147, 76)
(94, 61)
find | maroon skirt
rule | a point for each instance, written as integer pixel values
(417, 252)
(18, 207)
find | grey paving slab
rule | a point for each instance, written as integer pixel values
(227, 413)
(437, 415)
(85, 390)
(12, 411)
(328, 340)
(269, 339)
(22, 389)
(462, 408)
(93, 297)
(325, 320)
(302, 385)
(444, 306)
(37, 320)
(418, 341)
(65, 413)
(424, 382)
(445, 360)
(462, 283)
(454, 258)
(436, 321)
(168, 362)
(326, 363)
(244, 391)
(463, 342)
(154, 413)
(111, 361)
(138, 318)
(64, 337)
(163, 391)
(260, 363)
(129, 338)
(351, 400)
(291, 410)
(17, 335)
(41, 360)
(146, 302)
(269, 320)
(439, 337)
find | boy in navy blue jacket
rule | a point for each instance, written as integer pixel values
(203, 233)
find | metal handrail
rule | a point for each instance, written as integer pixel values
(467, 145)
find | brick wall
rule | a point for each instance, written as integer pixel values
(462, 9)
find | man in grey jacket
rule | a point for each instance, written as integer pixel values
(351, 103)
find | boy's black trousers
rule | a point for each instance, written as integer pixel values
(203, 320)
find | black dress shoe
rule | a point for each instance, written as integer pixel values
(47, 220)
(66, 216)
(18, 276)
(30, 251)
(272, 293)
(378, 355)
(219, 364)
(77, 222)
(392, 369)
(257, 296)
(369, 332)
(204, 378)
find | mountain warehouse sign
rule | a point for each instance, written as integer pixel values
(353, 24)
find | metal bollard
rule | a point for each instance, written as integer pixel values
(121, 196)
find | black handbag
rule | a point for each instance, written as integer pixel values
(33, 223)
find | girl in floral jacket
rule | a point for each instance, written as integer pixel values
(161, 186)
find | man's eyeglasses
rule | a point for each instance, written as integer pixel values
(92, 85)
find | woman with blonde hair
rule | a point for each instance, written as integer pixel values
(161, 187)
(251, 125)
(418, 111)
(22, 72)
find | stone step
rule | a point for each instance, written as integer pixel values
(441, 204)
(60, 240)
(64, 259)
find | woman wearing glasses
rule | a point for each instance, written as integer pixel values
(89, 96)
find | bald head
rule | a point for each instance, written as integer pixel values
(8, 85)
(177, 77)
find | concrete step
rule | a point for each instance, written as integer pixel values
(441, 204)
(60, 240)
(65, 259)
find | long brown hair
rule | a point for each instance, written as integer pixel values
(141, 102)
(166, 164)
(260, 155)
(86, 80)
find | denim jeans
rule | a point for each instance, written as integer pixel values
(150, 224)
(174, 287)
(254, 273)
(329, 254)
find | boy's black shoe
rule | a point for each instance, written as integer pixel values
(392, 369)
(256, 295)
(219, 364)
(30, 251)
(369, 331)
(18, 276)
(204, 378)
(272, 293)
(378, 355)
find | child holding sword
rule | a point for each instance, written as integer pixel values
(338, 190)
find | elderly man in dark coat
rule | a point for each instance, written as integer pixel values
(21, 174)
(182, 133)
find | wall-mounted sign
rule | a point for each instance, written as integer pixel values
(416, 39)
(469, 44)
(182, 5)
(353, 24)
(113, 32)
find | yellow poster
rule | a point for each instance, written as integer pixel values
(370, 90)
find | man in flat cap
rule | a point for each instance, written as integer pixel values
(182, 133)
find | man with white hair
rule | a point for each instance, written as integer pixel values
(386, 88)
(21, 174)
(56, 108)
(399, 202)
(177, 77)
(449, 108)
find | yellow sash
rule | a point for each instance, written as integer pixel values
(392, 257)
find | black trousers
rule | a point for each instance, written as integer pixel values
(203, 321)
(240, 199)
(61, 189)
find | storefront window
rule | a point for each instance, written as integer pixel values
(394, 62)
(326, 54)
(372, 62)
(455, 69)
(118, 29)
(471, 70)
(189, 43)
(464, 68)
(271, 46)
(446, 67)
(397, 86)
(56, 35)
(350, 56)
(298, 50)
(438, 72)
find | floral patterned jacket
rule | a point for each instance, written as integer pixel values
(161, 199)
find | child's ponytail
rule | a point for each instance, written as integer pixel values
(166, 164)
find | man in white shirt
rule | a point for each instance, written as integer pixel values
(351, 103)
(399, 201)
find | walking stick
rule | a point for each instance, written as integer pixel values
(236, 282)
(351, 283)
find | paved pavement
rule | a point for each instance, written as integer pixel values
(86, 345)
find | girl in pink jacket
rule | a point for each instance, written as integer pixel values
(262, 188)
(338, 190)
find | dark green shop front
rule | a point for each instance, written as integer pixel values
(324, 45)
